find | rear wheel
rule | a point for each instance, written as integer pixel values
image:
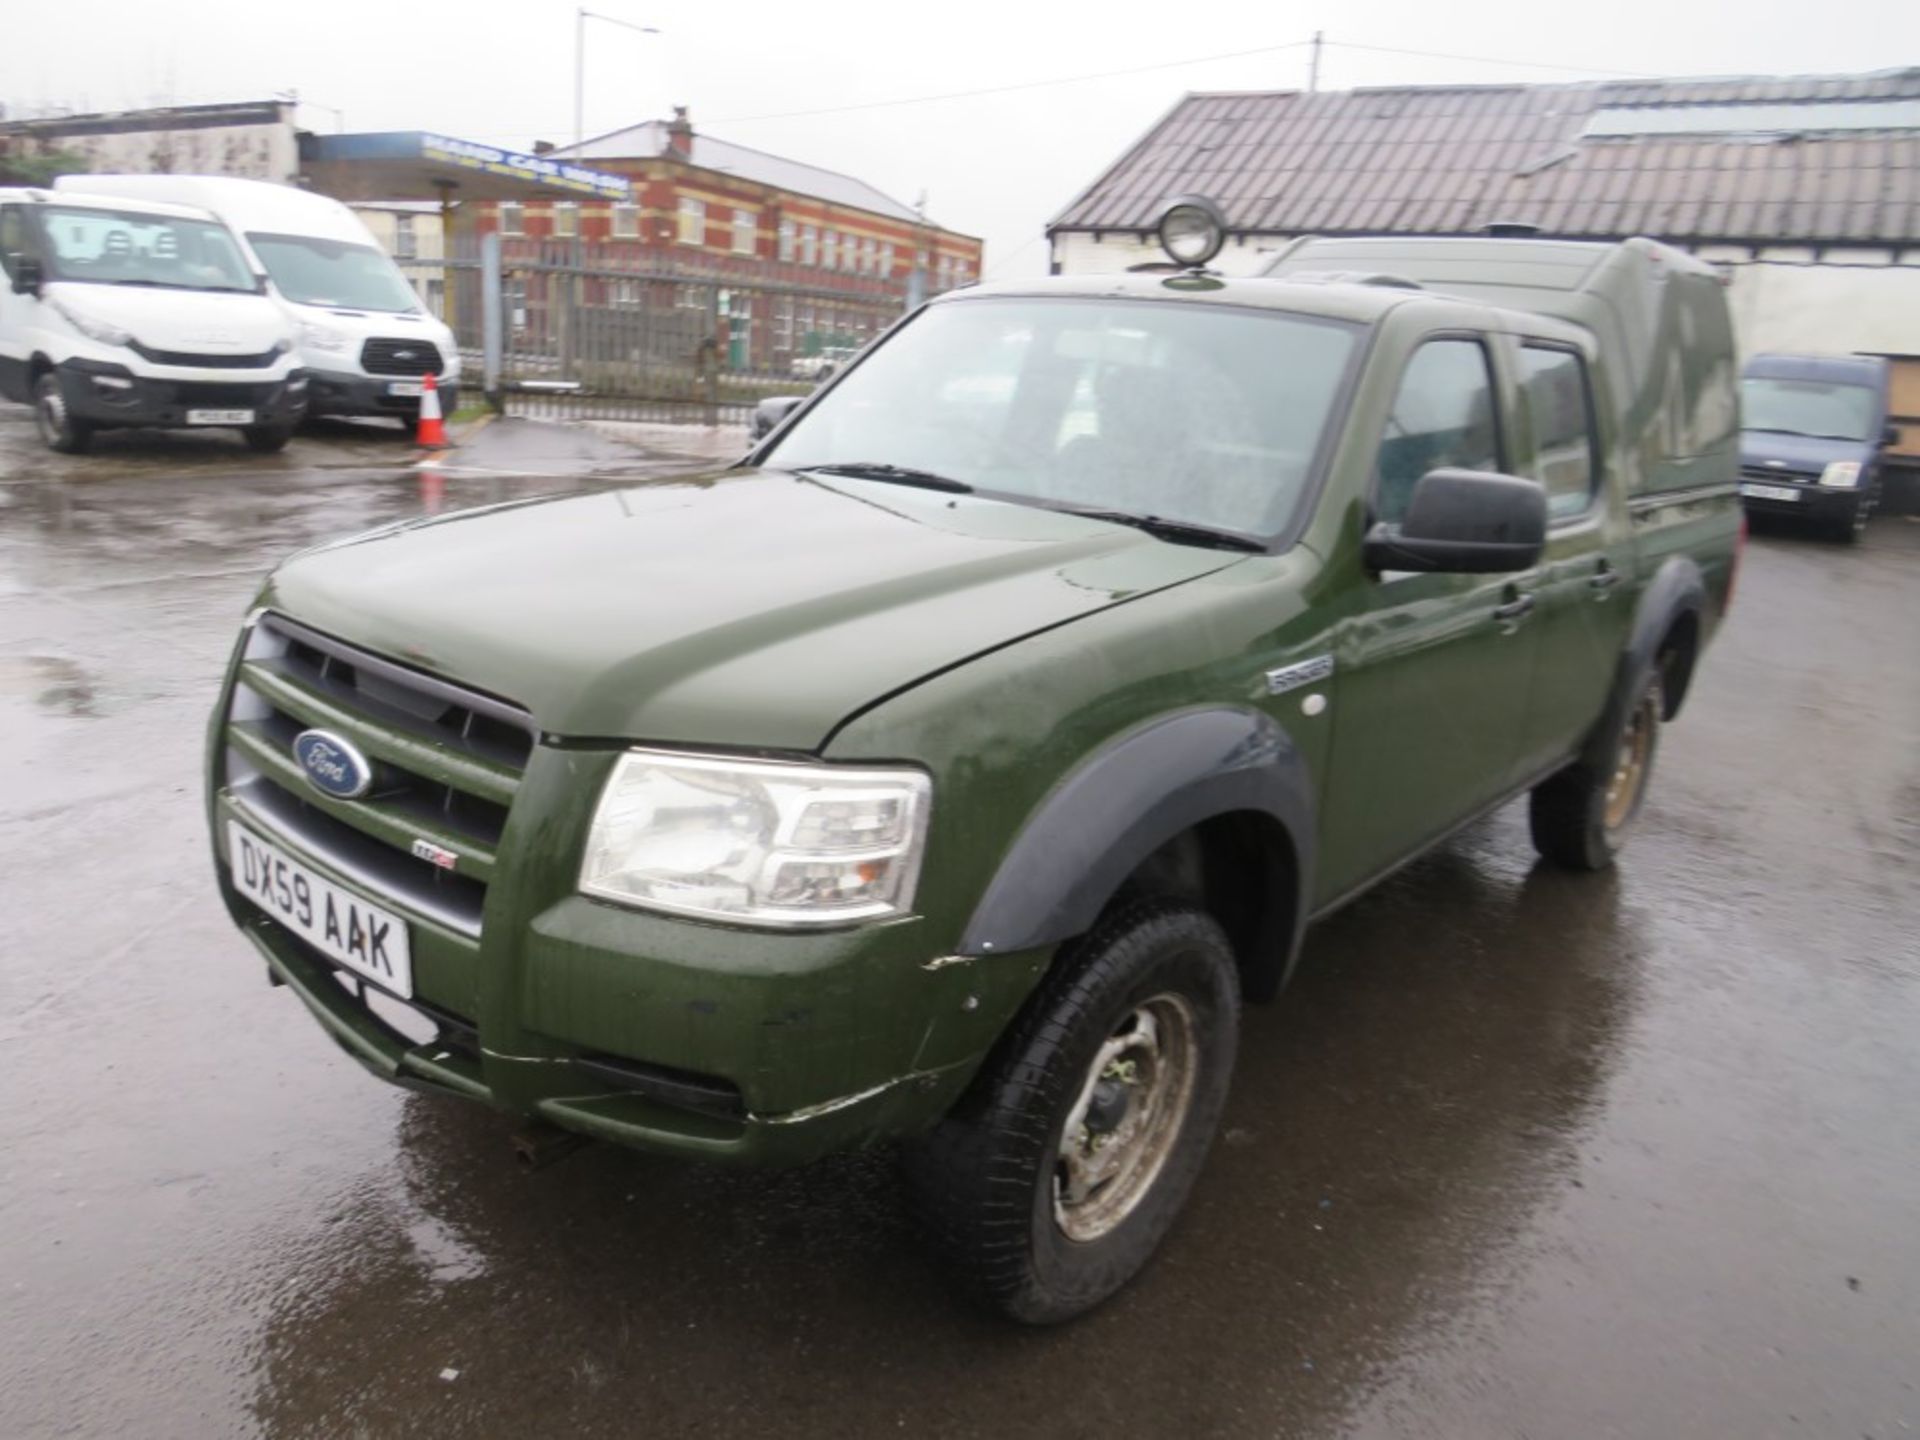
(1055, 1178)
(55, 422)
(1580, 816)
(267, 439)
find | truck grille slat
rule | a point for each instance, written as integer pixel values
(446, 762)
(382, 356)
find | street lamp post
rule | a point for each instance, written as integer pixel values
(580, 18)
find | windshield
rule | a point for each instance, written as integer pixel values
(128, 247)
(1809, 407)
(334, 273)
(1199, 413)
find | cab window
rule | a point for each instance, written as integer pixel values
(1559, 405)
(1443, 417)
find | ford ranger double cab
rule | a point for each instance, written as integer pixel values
(952, 769)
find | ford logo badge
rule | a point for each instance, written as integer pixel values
(404, 355)
(332, 765)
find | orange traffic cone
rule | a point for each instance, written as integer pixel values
(433, 434)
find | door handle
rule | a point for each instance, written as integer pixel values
(1605, 580)
(1515, 608)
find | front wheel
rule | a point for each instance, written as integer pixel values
(1580, 816)
(267, 439)
(55, 422)
(1057, 1175)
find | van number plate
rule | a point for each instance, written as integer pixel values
(220, 417)
(367, 940)
(1770, 492)
(406, 387)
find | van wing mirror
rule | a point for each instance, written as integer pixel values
(1464, 521)
(1889, 437)
(27, 274)
(769, 413)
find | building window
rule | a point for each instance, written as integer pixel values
(786, 241)
(405, 244)
(511, 218)
(886, 259)
(566, 219)
(870, 253)
(693, 221)
(626, 222)
(829, 250)
(809, 245)
(745, 226)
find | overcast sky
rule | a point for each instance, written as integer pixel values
(997, 165)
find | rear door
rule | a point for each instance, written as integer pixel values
(1433, 670)
(15, 243)
(1584, 590)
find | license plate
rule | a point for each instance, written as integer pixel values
(406, 387)
(220, 417)
(367, 940)
(1770, 492)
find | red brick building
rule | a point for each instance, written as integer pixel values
(709, 208)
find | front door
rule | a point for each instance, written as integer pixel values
(14, 309)
(1433, 670)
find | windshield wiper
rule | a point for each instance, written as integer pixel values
(1179, 532)
(894, 474)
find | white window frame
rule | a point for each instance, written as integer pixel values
(829, 250)
(626, 221)
(693, 218)
(566, 220)
(746, 226)
(809, 244)
(788, 241)
(513, 217)
(406, 242)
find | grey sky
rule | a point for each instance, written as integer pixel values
(996, 165)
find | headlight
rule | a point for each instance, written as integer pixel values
(320, 337)
(94, 329)
(1841, 475)
(755, 841)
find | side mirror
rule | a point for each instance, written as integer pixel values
(1464, 521)
(27, 274)
(1890, 436)
(768, 414)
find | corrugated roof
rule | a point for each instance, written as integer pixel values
(649, 140)
(1446, 160)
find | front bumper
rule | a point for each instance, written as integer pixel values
(1810, 500)
(108, 394)
(344, 392)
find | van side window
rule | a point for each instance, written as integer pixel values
(13, 236)
(1442, 417)
(1559, 405)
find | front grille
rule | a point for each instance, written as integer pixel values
(221, 397)
(187, 359)
(446, 763)
(400, 357)
(1777, 477)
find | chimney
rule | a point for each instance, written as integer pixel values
(680, 133)
(543, 147)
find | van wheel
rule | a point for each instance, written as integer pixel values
(1580, 817)
(267, 439)
(1054, 1179)
(56, 423)
(1848, 528)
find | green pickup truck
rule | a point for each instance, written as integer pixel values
(951, 770)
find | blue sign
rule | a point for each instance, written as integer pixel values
(332, 765)
(543, 169)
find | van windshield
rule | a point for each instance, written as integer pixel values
(1814, 408)
(1203, 414)
(86, 245)
(334, 273)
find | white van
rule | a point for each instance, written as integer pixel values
(124, 312)
(365, 342)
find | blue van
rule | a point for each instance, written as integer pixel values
(1812, 430)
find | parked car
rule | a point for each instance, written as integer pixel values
(823, 363)
(123, 313)
(952, 769)
(364, 339)
(1813, 432)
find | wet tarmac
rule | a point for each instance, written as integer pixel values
(1520, 1154)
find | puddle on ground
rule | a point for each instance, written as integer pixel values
(49, 681)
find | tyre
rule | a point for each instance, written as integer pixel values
(267, 439)
(1848, 527)
(1056, 1176)
(57, 425)
(1580, 816)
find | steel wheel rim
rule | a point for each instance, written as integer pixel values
(52, 411)
(1623, 790)
(1127, 1118)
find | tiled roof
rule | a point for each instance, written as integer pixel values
(1447, 160)
(648, 140)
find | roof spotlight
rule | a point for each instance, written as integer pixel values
(1191, 230)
